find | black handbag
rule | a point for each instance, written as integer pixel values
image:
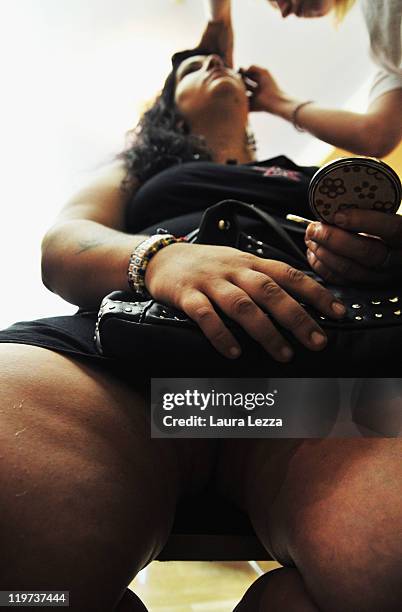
(163, 341)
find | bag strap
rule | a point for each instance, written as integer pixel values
(219, 225)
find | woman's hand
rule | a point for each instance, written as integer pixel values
(218, 38)
(341, 255)
(265, 92)
(194, 278)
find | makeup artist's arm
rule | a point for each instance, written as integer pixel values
(375, 133)
(218, 34)
(217, 10)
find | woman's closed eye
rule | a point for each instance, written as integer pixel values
(190, 68)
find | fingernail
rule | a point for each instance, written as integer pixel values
(338, 308)
(340, 219)
(317, 338)
(234, 352)
(314, 229)
(310, 256)
(286, 353)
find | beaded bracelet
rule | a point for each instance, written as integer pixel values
(141, 257)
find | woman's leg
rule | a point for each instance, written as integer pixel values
(330, 510)
(86, 497)
(281, 589)
(130, 603)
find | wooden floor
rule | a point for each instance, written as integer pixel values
(195, 587)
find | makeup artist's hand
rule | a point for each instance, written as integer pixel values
(341, 255)
(218, 38)
(265, 92)
(197, 277)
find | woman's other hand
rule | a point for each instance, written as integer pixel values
(194, 278)
(265, 93)
(341, 255)
(218, 38)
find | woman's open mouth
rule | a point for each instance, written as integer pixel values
(218, 72)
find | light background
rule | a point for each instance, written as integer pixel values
(75, 74)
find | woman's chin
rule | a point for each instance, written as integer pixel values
(227, 87)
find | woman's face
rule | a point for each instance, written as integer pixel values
(204, 83)
(304, 8)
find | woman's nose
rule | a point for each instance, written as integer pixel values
(214, 61)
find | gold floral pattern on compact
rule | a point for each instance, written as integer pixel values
(354, 182)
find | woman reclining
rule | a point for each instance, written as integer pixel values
(88, 499)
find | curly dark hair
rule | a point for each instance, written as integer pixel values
(162, 137)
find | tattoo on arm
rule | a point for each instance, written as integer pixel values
(89, 244)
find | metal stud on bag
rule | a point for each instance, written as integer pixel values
(224, 224)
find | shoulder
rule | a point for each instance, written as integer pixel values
(101, 195)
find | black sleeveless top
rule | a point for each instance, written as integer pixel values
(176, 197)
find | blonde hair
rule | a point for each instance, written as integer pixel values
(341, 8)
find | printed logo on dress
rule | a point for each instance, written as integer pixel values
(277, 172)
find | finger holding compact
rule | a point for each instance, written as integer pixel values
(386, 226)
(341, 270)
(331, 244)
(355, 199)
(368, 251)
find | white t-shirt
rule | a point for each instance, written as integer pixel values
(384, 23)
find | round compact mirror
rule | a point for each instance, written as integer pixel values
(354, 182)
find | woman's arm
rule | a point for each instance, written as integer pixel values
(85, 253)
(375, 133)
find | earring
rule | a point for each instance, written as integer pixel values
(250, 139)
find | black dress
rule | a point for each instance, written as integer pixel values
(175, 199)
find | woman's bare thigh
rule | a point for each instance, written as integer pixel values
(87, 498)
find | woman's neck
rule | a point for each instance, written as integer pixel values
(226, 142)
(223, 151)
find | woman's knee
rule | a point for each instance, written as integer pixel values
(278, 590)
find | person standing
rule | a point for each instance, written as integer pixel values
(378, 131)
